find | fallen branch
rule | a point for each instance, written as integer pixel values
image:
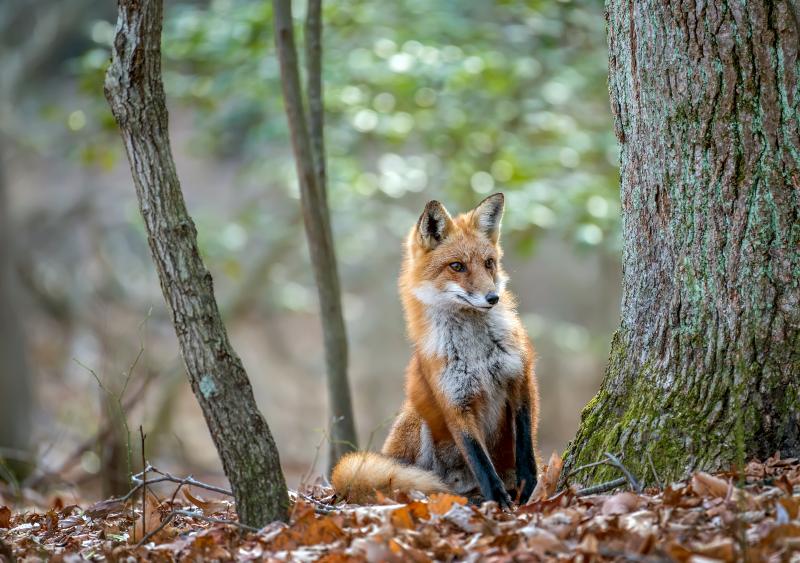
(614, 460)
(601, 488)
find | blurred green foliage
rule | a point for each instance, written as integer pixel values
(446, 99)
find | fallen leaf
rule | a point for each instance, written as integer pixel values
(207, 506)
(440, 503)
(309, 529)
(547, 484)
(621, 503)
(104, 508)
(790, 504)
(589, 545)
(147, 522)
(704, 484)
(5, 517)
(401, 518)
(722, 549)
(541, 541)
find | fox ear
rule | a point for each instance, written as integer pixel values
(433, 226)
(487, 216)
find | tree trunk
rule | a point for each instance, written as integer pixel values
(704, 370)
(16, 396)
(316, 217)
(135, 92)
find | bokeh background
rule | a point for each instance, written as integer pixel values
(425, 99)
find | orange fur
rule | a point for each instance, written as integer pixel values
(451, 268)
(358, 475)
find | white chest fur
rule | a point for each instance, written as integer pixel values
(481, 355)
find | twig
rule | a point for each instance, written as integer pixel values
(319, 506)
(189, 481)
(601, 488)
(655, 473)
(188, 513)
(144, 485)
(212, 520)
(587, 466)
(614, 460)
(178, 489)
(166, 477)
(167, 519)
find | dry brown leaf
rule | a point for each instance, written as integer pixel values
(309, 529)
(207, 548)
(621, 503)
(401, 518)
(338, 557)
(641, 522)
(541, 541)
(147, 522)
(104, 508)
(783, 532)
(419, 510)
(677, 551)
(440, 503)
(375, 550)
(464, 518)
(207, 506)
(723, 549)
(589, 545)
(790, 504)
(547, 484)
(704, 484)
(5, 517)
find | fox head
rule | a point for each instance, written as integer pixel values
(455, 262)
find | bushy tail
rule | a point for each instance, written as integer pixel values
(359, 474)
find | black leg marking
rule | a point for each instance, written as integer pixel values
(525, 459)
(478, 460)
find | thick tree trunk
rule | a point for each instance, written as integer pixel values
(16, 395)
(244, 442)
(310, 160)
(705, 368)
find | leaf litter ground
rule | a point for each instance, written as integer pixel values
(754, 516)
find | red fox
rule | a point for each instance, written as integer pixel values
(468, 424)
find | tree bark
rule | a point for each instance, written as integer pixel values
(316, 217)
(135, 92)
(704, 371)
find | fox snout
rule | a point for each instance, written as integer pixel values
(490, 299)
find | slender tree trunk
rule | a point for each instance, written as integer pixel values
(310, 160)
(16, 395)
(704, 370)
(135, 92)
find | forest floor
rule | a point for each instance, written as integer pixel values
(752, 516)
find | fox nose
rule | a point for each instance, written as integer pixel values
(492, 298)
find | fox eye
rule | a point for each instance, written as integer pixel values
(489, 263)
(457, 266)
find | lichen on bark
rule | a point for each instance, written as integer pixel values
(704, 370)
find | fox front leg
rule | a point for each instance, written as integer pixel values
(525, 459)
(489, 481)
